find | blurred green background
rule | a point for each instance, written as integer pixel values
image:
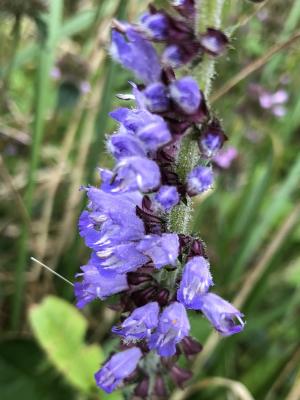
(57, 86)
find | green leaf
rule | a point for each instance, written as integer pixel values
(21, 375)
(60, 329)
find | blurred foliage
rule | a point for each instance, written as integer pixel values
(51, 138)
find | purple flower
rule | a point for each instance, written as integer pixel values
(225, 318)
(196, 280)
(163, 250)
(119, 367)
(185, 7)
(225, 158)
(173, 56)
(112, 220)
(155, 134)
(122, 146)
(149, 128)
(167, 197)
(97, 283)
(136, 54)
(173, 326)
(155, 25)
(186, 94)
(140, 323)
(199, 180)
(214, 41)
(211, 140)
(137, 173)
(156, 97)
(119, 258)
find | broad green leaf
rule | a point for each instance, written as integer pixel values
(60, 329)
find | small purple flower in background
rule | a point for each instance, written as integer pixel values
(199, 180)
(173, 326)
(274, 102)
(119, 367)
(225, 157)
(225, 318)
(139, 324)
(196, 281)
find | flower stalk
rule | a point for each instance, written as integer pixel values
(137, 222)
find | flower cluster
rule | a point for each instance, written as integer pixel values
(159, 274)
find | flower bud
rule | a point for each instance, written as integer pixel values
(211, 140)
(199, 180)
(155, 25)
(180, 375)
(163, 297)
(141, 390)
(214, 42)
(156, 97)
(186, 94)
(190, 346)
(160, 387)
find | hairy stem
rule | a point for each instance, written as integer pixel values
(208, 15)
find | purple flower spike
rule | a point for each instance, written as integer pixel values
(137, 54)
(155, 26)
(214, 42)
(140, 323)
(186, 94)
(156, 95)
(196, 280)
(199, 180)
(163, 250)
(167, 197)
(97, 283)
(226, 319)
(173, 326)
(119, 367)
(137, 173)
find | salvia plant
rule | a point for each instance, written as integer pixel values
(134, 222)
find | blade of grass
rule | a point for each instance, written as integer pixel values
(46, 57)
(104, 106)
(238, 389)
(257, 235)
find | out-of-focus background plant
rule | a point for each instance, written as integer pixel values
(57, 86)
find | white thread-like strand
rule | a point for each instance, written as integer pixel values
(51, 270)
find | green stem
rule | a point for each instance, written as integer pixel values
(41, 103)
(16, 34)
(209, 15)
